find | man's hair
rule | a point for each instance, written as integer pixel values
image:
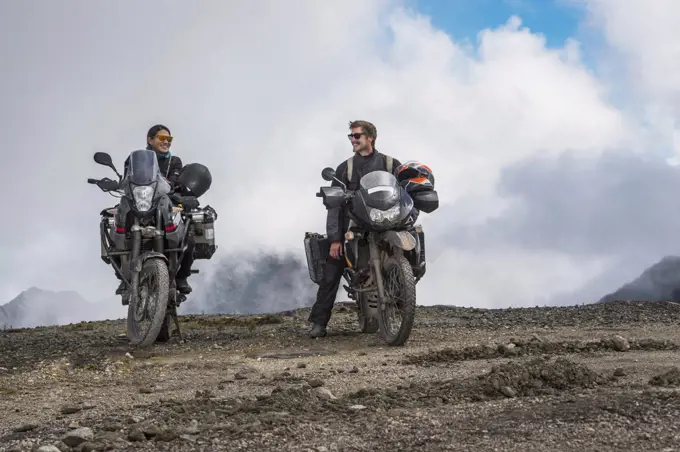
(366, 127)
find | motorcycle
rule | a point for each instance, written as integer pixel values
(384, 249)
(145, 236)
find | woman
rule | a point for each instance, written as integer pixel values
(158, 139)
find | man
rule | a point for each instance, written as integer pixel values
(158, 139)
(366, 159)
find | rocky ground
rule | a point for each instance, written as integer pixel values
(598, 377)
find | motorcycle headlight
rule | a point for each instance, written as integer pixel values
(382, 216)
(143, 196)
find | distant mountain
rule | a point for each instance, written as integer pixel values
(36, 307)
(253, 283)
(262, 282)
(660, 282)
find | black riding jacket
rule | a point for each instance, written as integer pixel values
(337, 220)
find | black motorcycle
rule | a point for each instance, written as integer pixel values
(145, 236)
(384, 250)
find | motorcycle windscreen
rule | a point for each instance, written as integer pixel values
(143, 169)
(380, 190)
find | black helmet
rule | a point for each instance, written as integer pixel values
(195, 177)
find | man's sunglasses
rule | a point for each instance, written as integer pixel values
(356, 136)
(164, 138)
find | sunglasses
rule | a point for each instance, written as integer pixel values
(356, 136)
(164, 138)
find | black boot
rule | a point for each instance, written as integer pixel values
(317, 331)
(121, 288)
(183, 286)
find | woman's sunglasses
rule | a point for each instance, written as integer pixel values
(164, 138)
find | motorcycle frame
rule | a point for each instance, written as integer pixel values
(128, 244)
(381, 245)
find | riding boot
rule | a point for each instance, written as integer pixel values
(183, 286)
(317, 330)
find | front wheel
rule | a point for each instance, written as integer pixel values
(400, 300)
(147, 312)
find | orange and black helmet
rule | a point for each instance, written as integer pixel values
(415, 176)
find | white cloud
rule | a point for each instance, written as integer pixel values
(644, 50)
(645, 34)
(506, 277)
(262, 93)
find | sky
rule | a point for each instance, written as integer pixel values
(551, 128)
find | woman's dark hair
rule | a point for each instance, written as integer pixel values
(153, 131)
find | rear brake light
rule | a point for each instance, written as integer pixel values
(170, 227)
(120, 230)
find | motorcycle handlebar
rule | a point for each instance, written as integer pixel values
(92, 181)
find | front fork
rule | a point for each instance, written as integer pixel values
(135, 265)
(374, 256)
(134, 254)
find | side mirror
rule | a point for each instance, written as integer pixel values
(328, 174)
(105, 159)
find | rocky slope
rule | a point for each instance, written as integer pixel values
(598, 377)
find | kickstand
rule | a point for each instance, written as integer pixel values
(173, 313)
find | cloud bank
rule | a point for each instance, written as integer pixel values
(552, 173)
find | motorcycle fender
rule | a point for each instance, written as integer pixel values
(136, 265)
(401, 239)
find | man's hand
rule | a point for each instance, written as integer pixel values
(336, 250)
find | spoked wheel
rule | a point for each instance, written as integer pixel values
(396, 321)
(368, 325)
(147, 314)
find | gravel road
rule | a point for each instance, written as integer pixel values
(599, 377)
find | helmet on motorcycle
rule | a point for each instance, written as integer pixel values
(195, 177)
(415, 176)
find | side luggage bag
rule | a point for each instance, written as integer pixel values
(317, 249)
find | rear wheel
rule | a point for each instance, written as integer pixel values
(400, 294)
(147, 314)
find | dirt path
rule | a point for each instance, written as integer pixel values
(541, 379)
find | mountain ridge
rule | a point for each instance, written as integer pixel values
(263, 282)
(255, 283)
(39, 307)
(658, 282)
